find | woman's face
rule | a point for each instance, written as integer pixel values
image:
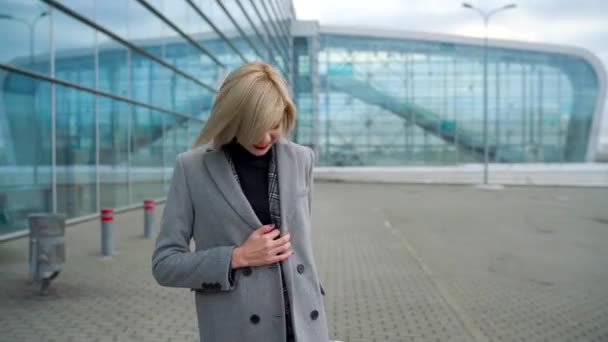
(269, 138)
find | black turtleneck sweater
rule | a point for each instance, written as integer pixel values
(253, 176)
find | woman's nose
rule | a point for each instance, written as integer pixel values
(266, 139)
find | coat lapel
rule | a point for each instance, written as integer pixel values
(285, 168)
(219, 168)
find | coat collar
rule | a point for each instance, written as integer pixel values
(219, 168)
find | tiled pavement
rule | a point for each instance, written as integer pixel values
(398, 263)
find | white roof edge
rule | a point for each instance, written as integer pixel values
(451, 38)
(304, 28)
(588, 56)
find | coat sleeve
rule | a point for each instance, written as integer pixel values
(310, 189)
(310, 180)
(173, 263)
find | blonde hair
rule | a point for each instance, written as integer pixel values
(251, 101)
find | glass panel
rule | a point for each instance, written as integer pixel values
(215, 13)
(150, 33)
(422, 102)
(28, 44)
(257, 22)
(272, 27)
(113, 152)
(175, 142)
(25, 155)
(279, 51)
(244, 24)
(114, 16)
(184, 55)
(194, 128)
(74, 45)
(146, 154)
(112, 60)
(76, 176)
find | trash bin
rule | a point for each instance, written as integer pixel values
(47, 247)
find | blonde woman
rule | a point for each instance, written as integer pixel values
(243, 193)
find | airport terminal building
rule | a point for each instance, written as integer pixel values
(98, 97)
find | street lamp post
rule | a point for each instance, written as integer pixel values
(30, 25)
(486, 17)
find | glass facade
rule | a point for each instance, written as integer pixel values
(98, 97)
(377, 100)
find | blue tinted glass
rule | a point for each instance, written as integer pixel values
(74, 45)
(219, 18)
(114, 130)
(112, 62)
(28, 44)
(400, 101)
(146, 154)
(25, 154)
(75, 151)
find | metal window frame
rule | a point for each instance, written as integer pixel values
(276, 49)
(183, 34)
(290, 52)
(53, 115)
(289, 39)
(274, 28)
(129, 128)
(286, 14)
(271, 38)
(279, 18)
(269, 35)
(216, 29)
(257, 32)
(238, 28)
(96, 123)
(32, 74)
(126, 43)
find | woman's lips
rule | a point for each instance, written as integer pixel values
(258, 147)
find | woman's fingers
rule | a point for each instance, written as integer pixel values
(281, 241)
(272, 234)
(265, 228)
(268, 250)
(280, 249)
(280, 257)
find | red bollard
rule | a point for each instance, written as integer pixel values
(148, 217)
(107, 227)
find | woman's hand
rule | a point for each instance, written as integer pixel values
(261, 248)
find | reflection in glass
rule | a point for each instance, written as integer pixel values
(25, 155)
(386, 101)
(146, 154)
(113, 152)
(27, 45)
(75, 151)
(74, 46)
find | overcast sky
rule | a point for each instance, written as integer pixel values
(582, 23)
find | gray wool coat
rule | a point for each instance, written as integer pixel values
(206, 203)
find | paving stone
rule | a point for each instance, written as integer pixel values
(398, 263)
